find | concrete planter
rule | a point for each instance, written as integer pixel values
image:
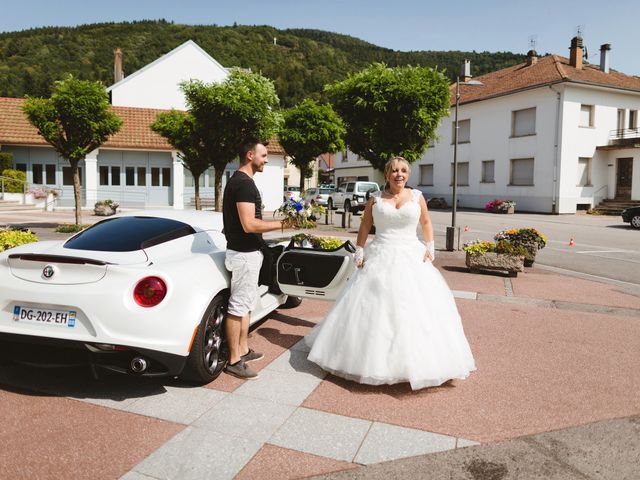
(511, 264)
(104, 210)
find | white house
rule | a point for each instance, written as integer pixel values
(553, 134)
(136, 167)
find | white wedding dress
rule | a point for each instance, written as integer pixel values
(396, 320)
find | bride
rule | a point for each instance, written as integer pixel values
(396, 320)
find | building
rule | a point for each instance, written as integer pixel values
(136, 167)
(554, 134)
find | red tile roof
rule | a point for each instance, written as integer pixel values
(15, 129)
(546, 71)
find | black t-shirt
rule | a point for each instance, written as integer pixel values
(240, 188)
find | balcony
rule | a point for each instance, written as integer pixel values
(625, 137)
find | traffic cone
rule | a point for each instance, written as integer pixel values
(466, 228)
(571, 242)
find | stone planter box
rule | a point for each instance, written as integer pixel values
(532, 249)
(511, 264)
(104, 210)
(502, 210)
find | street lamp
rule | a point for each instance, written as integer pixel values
(453, 231)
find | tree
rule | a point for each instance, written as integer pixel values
(229, 113)
(180, 131)
(391, 111)
(75, 120)
(309, 130)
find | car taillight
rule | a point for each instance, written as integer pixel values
(149, 291)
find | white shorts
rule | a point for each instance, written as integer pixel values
(245, 270)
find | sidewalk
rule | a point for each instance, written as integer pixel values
(555, 395)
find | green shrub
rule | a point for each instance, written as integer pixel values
(480, 247)
(14, 186)
(505, 247)
(6, 161)
(70, 228)
(13, 238)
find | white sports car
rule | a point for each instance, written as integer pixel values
(144, 293)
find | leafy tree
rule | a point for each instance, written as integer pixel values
(75, 120)
(226, 114)
(180, 130)
(391, 111)
(6, 160)
(310, 129)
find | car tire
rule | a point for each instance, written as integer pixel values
(209, 351)
(292, 302)
(330, 204)
(635, 221)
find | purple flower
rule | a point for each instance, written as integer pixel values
(298, 206)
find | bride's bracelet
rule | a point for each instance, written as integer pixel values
(358, 257)
(431, 248)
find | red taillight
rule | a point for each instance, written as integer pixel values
(149, 291)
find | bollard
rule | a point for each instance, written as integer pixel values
(344, 215)
(349, 219)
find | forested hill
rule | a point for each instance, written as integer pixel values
(300, 62)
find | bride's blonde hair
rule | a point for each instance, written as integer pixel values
(391, 162)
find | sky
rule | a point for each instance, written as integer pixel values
(406, 25)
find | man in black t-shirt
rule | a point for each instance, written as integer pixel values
(243, 228)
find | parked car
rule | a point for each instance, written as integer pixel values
(145, 294)
(291, 193)
(632, 216)
(317, 195)
(352, 196)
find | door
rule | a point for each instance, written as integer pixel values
(623, 178)
(311, 273)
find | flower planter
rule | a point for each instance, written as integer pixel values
(511, 264)
(530, 257)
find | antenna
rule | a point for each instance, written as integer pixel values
(533, 39)
(579, 30)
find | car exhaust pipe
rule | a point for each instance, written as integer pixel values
(138, 365)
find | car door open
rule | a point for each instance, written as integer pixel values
(312, 273)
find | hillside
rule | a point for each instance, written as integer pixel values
(301, 61)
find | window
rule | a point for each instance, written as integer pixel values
(426, 174)
(633, 118)
(104, 175)
(350, 187)
(521, 171)
(586, 116)
(463, 174)
(67, 175)
(620, 123)
(129, 176)
(115, 175)
(37, 173)
(166, 177)
(22, 167)
(155, 177)
(464, 131)
(584, 172)
(50, 173)
(142, 176)
(523, 122)
(488, 169)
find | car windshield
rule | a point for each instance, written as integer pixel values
(365, 187)
(326, 191)
(127, 234)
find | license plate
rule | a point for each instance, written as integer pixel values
(63, 318)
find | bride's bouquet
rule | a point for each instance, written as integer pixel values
(299, 214)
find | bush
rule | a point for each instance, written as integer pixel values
(523, 236)
(480, 247)
(70, 228)
(14, 186)
(6, 161)
(13, 238)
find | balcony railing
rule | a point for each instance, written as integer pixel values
(624, 136)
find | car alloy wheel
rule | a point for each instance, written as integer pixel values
(209, 352)
(635, 221)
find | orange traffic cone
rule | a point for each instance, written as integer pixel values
(571, 242)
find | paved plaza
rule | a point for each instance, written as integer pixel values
(555, 395)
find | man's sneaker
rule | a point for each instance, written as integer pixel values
(240, 370)
(250, 356)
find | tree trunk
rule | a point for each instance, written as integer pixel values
(196, 186)
(218, 188)
(76, 191)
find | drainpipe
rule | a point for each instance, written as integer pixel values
(554, 195)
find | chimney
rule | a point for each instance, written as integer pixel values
(118, 73)
(532, 57)
(465, 71)
(604, 57)
(575, 56)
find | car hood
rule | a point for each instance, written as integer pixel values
(51, 263)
